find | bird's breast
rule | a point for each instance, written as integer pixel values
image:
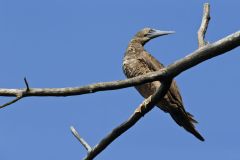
(134, 67)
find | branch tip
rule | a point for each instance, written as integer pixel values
(26, 83)
(81, 140)
(204, 25)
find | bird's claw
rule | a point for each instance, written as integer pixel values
(143, 105)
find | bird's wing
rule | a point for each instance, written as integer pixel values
(173, 93)
(152, 62)
(173, 100)
(155, 65)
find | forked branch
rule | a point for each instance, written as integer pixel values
(143, 108)
(202, 54)
(205, 52)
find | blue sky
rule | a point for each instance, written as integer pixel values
(64, 43)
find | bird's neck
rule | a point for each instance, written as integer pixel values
(139, 41)
(134, 49)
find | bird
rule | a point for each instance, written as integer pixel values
(137, 61)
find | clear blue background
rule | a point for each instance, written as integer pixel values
(64, 43)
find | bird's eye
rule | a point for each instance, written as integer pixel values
(151, 31)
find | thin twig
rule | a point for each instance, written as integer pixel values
(204, 25)
(81, 140)
(11, 102)
(144, 108)
(26, 83)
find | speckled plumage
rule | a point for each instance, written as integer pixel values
(138, 62)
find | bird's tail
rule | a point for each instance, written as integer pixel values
(186, 120)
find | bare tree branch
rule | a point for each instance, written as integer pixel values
(148, 103)
(81, 140)
(204, 53)
(144, 108)
(19, 95)
(171, 71)
(204, 25)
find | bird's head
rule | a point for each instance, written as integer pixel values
(147, 34)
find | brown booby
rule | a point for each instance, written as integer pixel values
(137, 61)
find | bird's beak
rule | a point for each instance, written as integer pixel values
(156, 33)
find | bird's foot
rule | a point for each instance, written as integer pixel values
(143, 105)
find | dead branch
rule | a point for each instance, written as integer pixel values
(204, 25)
(202, 54)
(80, 139)
(205, 52)
(144, 108)
(148, 104)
